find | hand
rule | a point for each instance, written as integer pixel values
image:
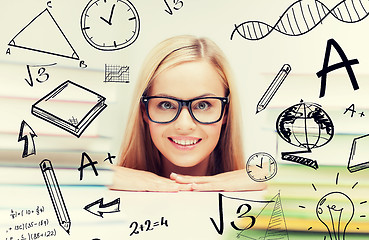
(136, 180)
(261, 163)
(229, 181)
(110, 17)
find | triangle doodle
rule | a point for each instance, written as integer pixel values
(274, 226)
(277, 224)
(44, 35)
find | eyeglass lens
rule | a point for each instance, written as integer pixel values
(204, 110)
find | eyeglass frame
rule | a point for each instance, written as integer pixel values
(187, 103)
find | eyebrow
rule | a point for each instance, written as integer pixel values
(202, 95)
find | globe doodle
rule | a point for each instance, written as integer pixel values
(305, 125)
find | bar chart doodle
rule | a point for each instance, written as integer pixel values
(303, 16)
(273, 87)
(55, 194)
(116, 73)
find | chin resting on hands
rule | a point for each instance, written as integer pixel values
(137, 180)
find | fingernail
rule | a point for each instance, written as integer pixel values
(174, 175)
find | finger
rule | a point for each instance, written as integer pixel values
(212, 186)
(189, 179)
(165, 185)
(206, 187)
(185, 187)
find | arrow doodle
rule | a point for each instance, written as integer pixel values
(98, 208)
(27, 134)
(303, 16)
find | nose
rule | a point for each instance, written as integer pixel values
(184, 122)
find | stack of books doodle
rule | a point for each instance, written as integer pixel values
(58, 107)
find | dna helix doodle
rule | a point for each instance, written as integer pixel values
(302, 16)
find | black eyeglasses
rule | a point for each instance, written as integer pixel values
(205, 110)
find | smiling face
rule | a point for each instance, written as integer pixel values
(186, 143)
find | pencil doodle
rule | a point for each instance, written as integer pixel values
(98, 208)
(68, 117)
(54, 42)
(277, 228)
(345, 63)
(115, 73)
(42, 75)
(303, 16)
(147, 226)
(305, 125)
(358, 159)
(118, 30)
(261, 167)
(27, 135)
(244, 211)
(273, 87)
(55, 194)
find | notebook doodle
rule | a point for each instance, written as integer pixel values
(58, 107)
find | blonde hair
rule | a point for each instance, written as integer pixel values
(138, 151)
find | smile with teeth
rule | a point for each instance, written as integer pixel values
(185, 142)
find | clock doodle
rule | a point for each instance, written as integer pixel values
(110, 25)
(261, 167)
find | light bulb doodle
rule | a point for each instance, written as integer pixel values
(303, 16)
(335, 210)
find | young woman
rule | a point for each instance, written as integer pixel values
(184, 128)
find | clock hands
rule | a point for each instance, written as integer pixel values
(110, 17)
(261, 163)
